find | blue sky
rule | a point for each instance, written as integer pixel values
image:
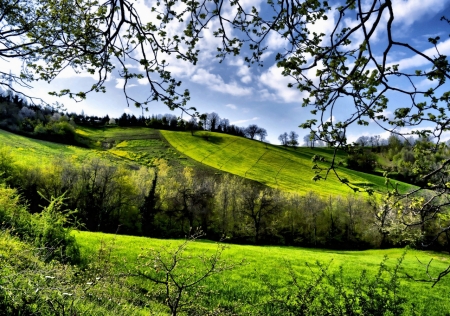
(257, 95)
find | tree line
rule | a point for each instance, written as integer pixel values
(54, 124)
(43, 122)
(166, 202)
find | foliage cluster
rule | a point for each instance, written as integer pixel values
(48, 230)
(403, 159)
(325, 293)
(106, 195)
(290, 139)
(30, 284)
(168, 202)
(35, 121)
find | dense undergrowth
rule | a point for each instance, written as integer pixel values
(48, 269)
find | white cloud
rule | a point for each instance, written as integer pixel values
(409, 11)
(245, 121)
(216, 83)
(406, 13)
(243, 69)
(418, 61)
(275, 41)
(274, 79)
(231, 106)
(406, 131)
(265, 94)
(246, 79)
(120, 82)
(127, 110)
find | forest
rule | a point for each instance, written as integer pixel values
(160, 200)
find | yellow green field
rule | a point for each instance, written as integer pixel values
(247, 283)
(276, 166)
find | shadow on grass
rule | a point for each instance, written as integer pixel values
(211, 138)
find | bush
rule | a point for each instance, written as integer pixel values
(330, 294)
(31, 286)
(52, 232)
(49, 230)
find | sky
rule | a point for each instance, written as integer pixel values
(255, 95)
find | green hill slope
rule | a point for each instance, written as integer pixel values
(248, 283)
(279, 167)
(129, 146)
(276, 166)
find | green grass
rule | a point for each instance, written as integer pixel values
(244, 284)
(276, 166)
(279, 167)
(126, 146)
(32, 152)
(137, 145)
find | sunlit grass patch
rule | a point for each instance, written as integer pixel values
(247, 284)
(276, 166)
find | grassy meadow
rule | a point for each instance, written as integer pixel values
(246, 286)
(118, 145)
(245, 290)
(284, 168)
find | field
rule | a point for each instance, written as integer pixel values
(245, 289)
(246, 285)
(276, 166)
(30, 151)
(279, 167)
(128, 146)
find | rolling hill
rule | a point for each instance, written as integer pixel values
(275, 166)
(279, 167)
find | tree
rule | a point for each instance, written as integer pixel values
(212, 122)
(258, 205)
(180, 291)
(363, 141)
(89, 35)
(283, 138)
(293, 139)
(192, 125)
(262, 133)
(225, 125)
(251, 131)
(307, 140)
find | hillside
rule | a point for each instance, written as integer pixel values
(245, 289)
(276, 166)
(128, 146)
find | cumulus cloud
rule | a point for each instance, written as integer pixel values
(273, 79)
(216, 83)
(120, 82)
(419, 61)
(231, 106)
(409, 11)
(243, 69)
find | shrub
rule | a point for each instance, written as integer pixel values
(52, 232)
(49, 230)
(331, 294)
(31, 286)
